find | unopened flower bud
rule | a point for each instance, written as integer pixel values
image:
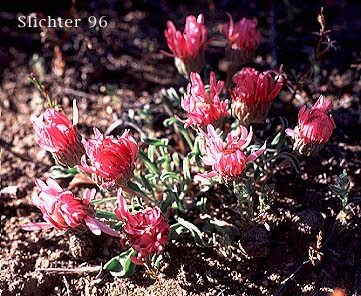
(58, 135)
(111, 160)
(314, 128)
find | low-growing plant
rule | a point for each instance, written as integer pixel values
(157, 187)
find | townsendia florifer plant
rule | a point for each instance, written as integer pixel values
(163, 185)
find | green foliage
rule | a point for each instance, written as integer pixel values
(121, 265)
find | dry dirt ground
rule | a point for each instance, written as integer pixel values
(119, 68)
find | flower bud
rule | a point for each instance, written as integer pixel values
(146, 230)
(58, 135)
(227, 159)
(314, 128)
(188, 47)
(243, 39)
(63, 211)
(204, 108)
(253, 94)
(111, 160)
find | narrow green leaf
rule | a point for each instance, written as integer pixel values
(170, 121)
(121, 265)
(147, 185)
(169, 175)
(134, 186)
(149, 164)
(106, 214)
(59, 172)
(156, 260)
(156, 142)
(103, 200)
(195, 232)
(186, 168)
(151, 150)
(276, 139)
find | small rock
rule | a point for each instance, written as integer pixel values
(81, 246)
(255, 243)
(308, 223)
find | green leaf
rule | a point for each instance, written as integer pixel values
(147, 185)
(151, 150)
(175, 159)
(106, 214)
(149, 164)
(156, 259)
(172, 94)
(121, 265)
(195, 232)
(202, 204)
(103, 200)
(167, 203)
(169, 175)
(59, 172)
(133, 186)
(156, 142)
(186, 169)
(276, 139)
(169, 121)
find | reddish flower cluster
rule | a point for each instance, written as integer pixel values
(63, 211)
(243, 35)
(253, 94)
(59, 136)
(227, 159)
(204, 108)
(314, 128)
(188, 47)
(243, 39)
(147, 230)
(112, 161)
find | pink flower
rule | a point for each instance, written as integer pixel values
(189, 44)
(188, 47)
(253, 94)
(112, 161)
(59, 136)
(204, 108)
(314, 128)
(63, 211)
(147, 230)
(243, 35)
(227, 159)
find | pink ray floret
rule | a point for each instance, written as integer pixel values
(111, 160)
(204, 108)
(227, 158)
(191, 42)
(62, 210)
(58, 135)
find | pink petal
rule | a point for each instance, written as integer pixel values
(36, 226)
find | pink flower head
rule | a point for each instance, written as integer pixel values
(204, 108)
(189, 44)
(314, 128)
(253, 94)
(243, 35)
(147, 230)
(227, 159)
(112, 161)
(58, 135)
(63, 211)
(188, 47)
